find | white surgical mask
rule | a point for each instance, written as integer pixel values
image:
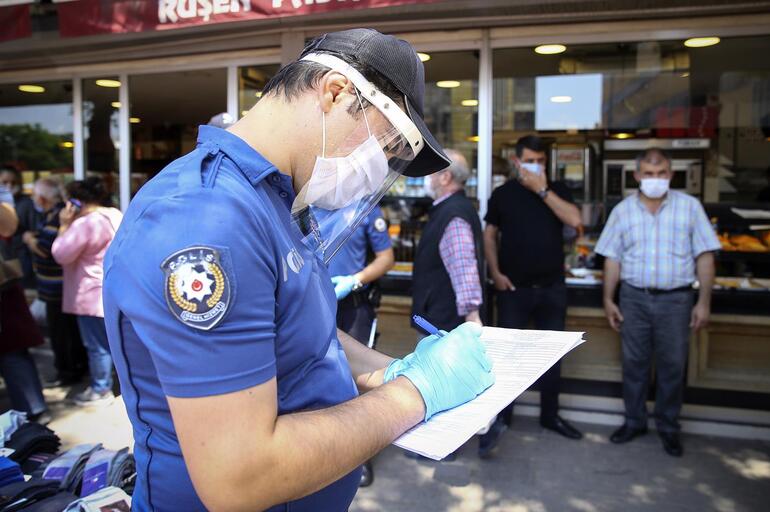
(337, 182)
(654, 188)
(532, 167)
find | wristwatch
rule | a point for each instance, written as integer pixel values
(357, 286)
(544, 192)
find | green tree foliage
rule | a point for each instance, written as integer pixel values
(34, 147)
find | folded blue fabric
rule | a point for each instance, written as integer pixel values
(10, 472)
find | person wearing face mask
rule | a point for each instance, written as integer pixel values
(242, 392)
(29, 215)
(656, 243)
(524, 246)
(70, 359)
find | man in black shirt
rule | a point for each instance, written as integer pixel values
(523, 244)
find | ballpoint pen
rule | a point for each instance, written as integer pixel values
(426, 326)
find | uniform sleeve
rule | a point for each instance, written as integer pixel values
(377, 231)
(704, 239)
(237, 350)
(610, 244)
(493, 210)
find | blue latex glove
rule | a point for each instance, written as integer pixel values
(343, 285)
(447, 370)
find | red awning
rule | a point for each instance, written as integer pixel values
(89, 17)
(14, 20)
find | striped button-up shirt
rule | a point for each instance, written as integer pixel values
(658, 250)
(458, 253)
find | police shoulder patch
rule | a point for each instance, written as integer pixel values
(197, 287)
(380, 224)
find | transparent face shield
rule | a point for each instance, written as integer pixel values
(350, 177)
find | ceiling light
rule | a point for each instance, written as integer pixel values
(66, 144)
(623, 135)
(31, 88)
(258, 94)
(701, 42)
(561, 99)
(106, 82)
(115, 104)
(685, 74)
(473, 138)
(244, 112)
(134, 120)
(424, 57)
(447, 84)
(469, 103)
(550, 49)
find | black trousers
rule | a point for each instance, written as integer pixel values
(70, 358)
(356, 320)
(546, 307)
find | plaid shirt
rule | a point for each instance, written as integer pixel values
(658, 250)
(458, 253)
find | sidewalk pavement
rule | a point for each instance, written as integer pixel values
(534, 470)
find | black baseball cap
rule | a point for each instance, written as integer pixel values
(396, 60)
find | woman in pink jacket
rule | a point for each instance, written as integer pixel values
(86, 229)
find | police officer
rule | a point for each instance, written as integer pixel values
(351, 277)
(242, 393)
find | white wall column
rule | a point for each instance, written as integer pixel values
(79, 150)
(124, 151)
(484, 164)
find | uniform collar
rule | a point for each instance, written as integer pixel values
(249, 160)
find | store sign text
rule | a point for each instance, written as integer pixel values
(171, 11)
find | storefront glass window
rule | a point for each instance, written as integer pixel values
(251, 81)
(36, 130)
(599, 104)
(451, 110)
(165, 112)
(101, 134)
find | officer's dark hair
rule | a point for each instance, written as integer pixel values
(652, 155)
(300, 76)
(532, 143)
(89, 191)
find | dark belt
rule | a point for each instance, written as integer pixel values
(661, 291)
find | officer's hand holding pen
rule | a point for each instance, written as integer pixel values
(448, 369)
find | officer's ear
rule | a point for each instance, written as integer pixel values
(332, 89)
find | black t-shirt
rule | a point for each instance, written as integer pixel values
(531, 250)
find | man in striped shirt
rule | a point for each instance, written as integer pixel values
(656, 242)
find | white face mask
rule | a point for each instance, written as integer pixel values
(532, 167)
(337, 182)
(654, 188)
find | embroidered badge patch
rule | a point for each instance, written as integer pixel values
(196, 286)
(380, 224)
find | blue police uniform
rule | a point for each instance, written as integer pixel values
(355, 313)
(209, 290)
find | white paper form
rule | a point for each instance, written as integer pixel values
(519, 358)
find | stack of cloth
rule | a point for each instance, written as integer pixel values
(109, 499)
(68, 468)
(108, 468)
(29, 439)
(22, 495)
(10, 471)
(10, 422)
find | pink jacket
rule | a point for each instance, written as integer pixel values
(80, 251)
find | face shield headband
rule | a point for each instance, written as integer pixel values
(343, 190)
